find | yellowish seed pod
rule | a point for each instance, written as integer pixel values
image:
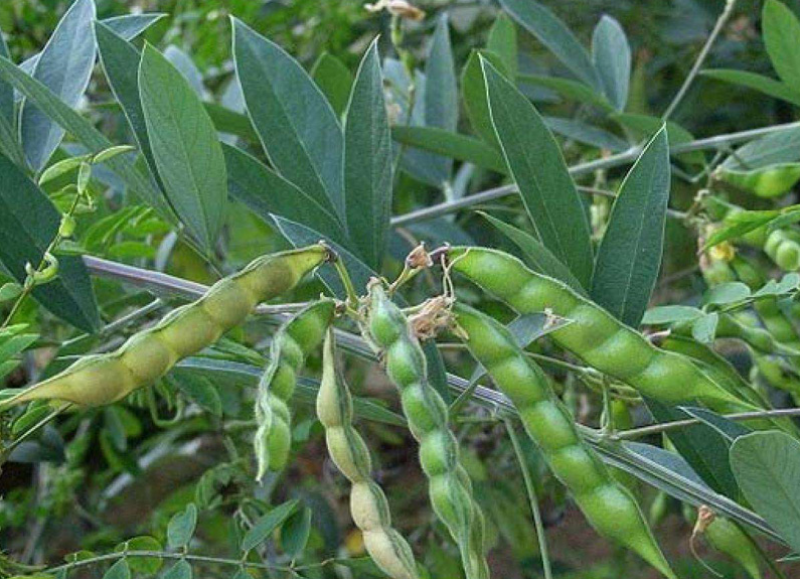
(103, 379)
(349, 452)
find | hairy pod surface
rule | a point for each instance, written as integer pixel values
(292, 343)
(594, 335)
(607, 504)
(449, 487)
(349, 452)
(148, 355)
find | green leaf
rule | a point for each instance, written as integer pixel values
(767, 182)
(295, 532)
(146, 565)
(201, 391)
(181, 527)
(570, 89)
(265, 526)
(7, 110)
(186, 66)
(368, 161)
(703, 447)
(667, 315)
(185, 147)
(704, 328)
(773, 149)
(537, 255)
(10, 291)
(120, 61)
(476, 101)
(28, 223)
(611, 55)
(586, 133)
(767, 468)
(629, 256)
(334, 79)
(231, 122)
(64, 66)
(545, 26)
(502, 41)
(441, 90)
(453, 145)
(180, 570)
(297, 126)
(782, 37)
(118, 570)
(129, 26)
(726, 293)
(761, 83)
(539, 169)
(265, 193)
(739, 223)
(643, 126)
(83, 131)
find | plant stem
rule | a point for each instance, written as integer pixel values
(588, 167)
(532, 499)
(701, 58)
(665, 426)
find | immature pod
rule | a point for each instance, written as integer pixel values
(349, 452)
(728, 538)
(607, 504)
(148, 355)
(449, 486)
(768, 182)
(593, 335)
(740, 328)
(781, 245)
(292, 343)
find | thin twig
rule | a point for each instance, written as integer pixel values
(701, 58)
(584, 168)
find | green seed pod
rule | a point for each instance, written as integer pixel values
(768, 182)
(103, 379)
(608, 505)
(783, 247)
(292, 343)
(449, 487)
(349, 452)
(593, 335)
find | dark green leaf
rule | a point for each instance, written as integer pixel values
(782, 37)
(441, 90)
(181, 527)
(83, 131)
(644, 126)
(570, 89)
(231, 122)
(64, 66)
(294, 120)
(265, 193)
(727, 428)
(295, 532)
(6, 92)
(201, 391)
(476, 101)
(611, 55)
(544, 25)
(118, 570)
(502, 41)
(779, 147)
(147, 565)
(265, 526)
(767, 467)
(537, 255)
(539, 169)
(586, 133)
(761, 83)
(121, 64)
(185, 147)
(453, 145)
(180, 570)
(334, 79)
(28, 223)
(368, 161)
(629, 256)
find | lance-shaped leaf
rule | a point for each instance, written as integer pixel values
(782, 37)
(28, 223)
(539, 169)
(629, 256)
(129, 26)
(334, 79)
(120, 61)
(64, 66)
(368, 161)
(441, 90)
(612, 59)
(544, 25)
(266, 193)
(185, 146)
(82, 130)
(296, 124)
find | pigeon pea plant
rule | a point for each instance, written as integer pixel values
(211, 279)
